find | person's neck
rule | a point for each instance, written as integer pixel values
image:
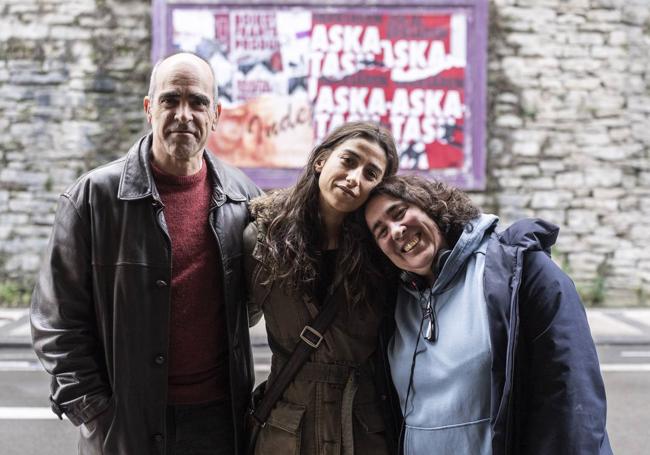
(332, 222)
(173, 166)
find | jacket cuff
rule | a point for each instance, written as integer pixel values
(83, 409)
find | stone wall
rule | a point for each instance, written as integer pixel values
(72, 76)
(568, 124)
(569, 134)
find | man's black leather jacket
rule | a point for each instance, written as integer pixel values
(100, 309)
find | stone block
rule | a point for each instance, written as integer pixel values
(585, 261)
(607, 52)
(644, 179)
(521, 35)
(530, 170)
(569, 180)
(43, 219)
(581, 65)
(591, 138)
(510, 182)
(570, 19)
(573, 51)
(5, 231)
(512, 200)
(556, 199)
(603, 177)
(65, 32)
(608, 4)
(556, 150)
(550, 84)
(641, 132)
(25, 262)
(581, 221)
(623, 297)
(13, 219)
(557, 217)
(11, 27)
(510, 214)
(583, 83)
(529, 148)
(587, 38)
(568, 241)
(509, 121)
(550, 166)
(540, 183)
(599, 27)
(636, 14)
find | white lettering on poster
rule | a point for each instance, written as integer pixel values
(337, 49)
(414, 115)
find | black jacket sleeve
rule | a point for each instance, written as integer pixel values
(254, 306)
(63, 320)
(564, 390)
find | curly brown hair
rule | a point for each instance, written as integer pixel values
(295, 236)
(449, 207)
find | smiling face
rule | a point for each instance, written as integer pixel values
(405, 233)
(182, 113)
(347, 175)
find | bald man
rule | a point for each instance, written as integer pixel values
(139, 313)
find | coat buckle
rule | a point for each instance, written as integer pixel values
(313, 332)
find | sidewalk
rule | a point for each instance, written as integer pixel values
(608, 326)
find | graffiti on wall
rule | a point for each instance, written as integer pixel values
(288, 77)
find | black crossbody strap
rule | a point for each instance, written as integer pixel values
(310, 339)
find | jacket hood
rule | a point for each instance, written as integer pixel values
(264, 208)
(470, 240)
(532, 234)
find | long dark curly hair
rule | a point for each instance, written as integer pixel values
(295, 236)
(449, 207)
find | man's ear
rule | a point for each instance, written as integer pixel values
(217, 114)
(147, 108)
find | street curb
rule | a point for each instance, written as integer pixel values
(627, 341)
(14, 343)
(258, 341)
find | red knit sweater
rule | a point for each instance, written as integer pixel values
(198, 347)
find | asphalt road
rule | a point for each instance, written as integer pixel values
(27, 427)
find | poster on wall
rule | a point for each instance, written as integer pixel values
(287, 77)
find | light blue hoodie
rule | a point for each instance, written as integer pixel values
(448, 409)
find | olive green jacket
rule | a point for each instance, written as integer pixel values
(332, 406)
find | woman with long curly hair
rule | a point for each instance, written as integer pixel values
(305, 244)
(492, 352)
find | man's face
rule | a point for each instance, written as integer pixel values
(182, 112)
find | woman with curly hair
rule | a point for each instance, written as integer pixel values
(492, 353)
(304, 245)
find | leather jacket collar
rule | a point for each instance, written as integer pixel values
(136, 181)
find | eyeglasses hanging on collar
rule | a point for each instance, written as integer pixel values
(429, 312)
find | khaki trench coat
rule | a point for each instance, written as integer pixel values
(332, 406)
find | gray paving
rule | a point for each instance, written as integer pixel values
(608, 326)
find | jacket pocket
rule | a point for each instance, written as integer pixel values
(369, 429)
(283, 429)
(93, 432)
(370, 417)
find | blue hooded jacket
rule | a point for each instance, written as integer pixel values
(547, 395)
(547, 392)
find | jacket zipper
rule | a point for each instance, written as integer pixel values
(514, 317)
